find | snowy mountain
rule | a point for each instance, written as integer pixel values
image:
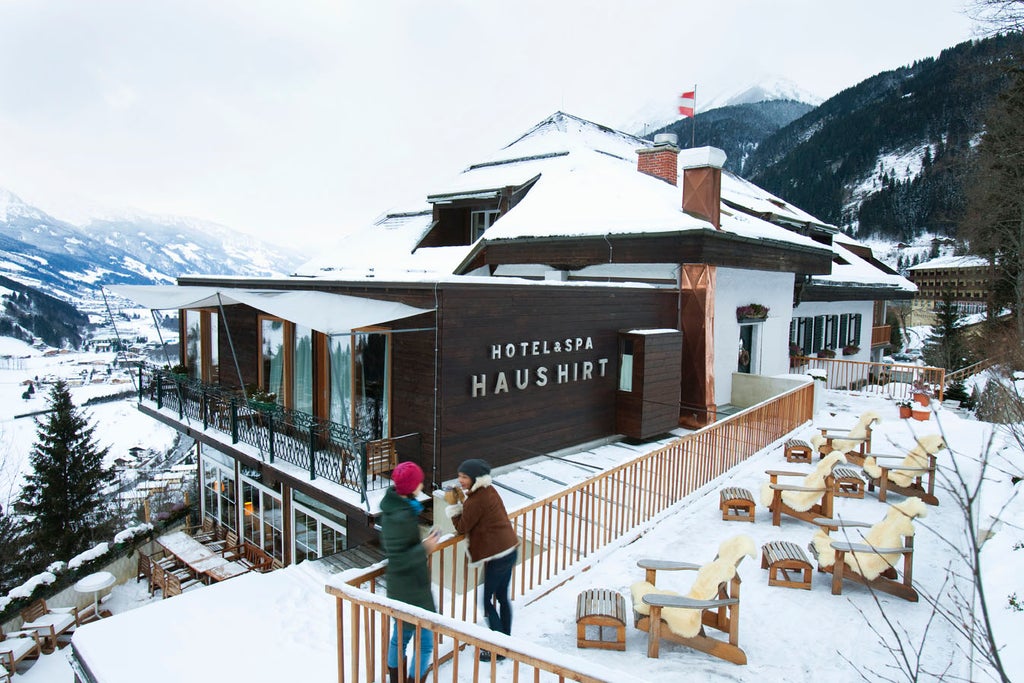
(71, 262)
(660, 113)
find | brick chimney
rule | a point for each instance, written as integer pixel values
(702, 182)
(660, 161)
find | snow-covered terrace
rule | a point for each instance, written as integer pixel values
(281, 626)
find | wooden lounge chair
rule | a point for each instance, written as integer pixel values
(910, 475)
(17, 646)
(49, 623)
(812, 498)
(870, 558)
(712, 602)
(855, 443)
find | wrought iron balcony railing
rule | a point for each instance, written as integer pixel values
(325, 449)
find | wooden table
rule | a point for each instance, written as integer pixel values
(226, 571)
(197, 556)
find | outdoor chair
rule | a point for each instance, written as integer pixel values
(813, 497)
(49, 623)
(18, 646)
(250, 555)
(712, 602)
(870, 558)
(855, 443)
(176, 585)
(913, 475)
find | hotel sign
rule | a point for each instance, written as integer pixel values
(571, 360)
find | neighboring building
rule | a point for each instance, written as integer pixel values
(563, 291)
(967, 278)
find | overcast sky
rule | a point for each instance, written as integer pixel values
(299, 121)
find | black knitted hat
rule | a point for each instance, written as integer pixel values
(474, 468)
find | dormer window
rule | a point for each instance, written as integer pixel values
(479, 221)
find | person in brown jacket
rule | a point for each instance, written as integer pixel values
(492, 541)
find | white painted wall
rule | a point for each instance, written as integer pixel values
(771, 340)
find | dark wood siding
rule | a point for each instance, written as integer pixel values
(521, 423)
(652, 407)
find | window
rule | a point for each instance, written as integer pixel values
(812, 334)
(360, 381)
(625, 365)
(319, 530)
(745, 362)
(219, 493)
(202, 355)
(272, 357)
(479, 221)
(262, 518)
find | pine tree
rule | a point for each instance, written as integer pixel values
(63, 501)
(945, 347)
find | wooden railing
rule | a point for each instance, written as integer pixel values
(964, 373)
(558, 534)
(881, 335)
(894, 380)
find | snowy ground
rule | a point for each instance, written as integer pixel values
(120, 426)
(788, 634)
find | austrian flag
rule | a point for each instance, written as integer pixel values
(688, 102)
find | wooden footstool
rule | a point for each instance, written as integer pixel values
(737, 504)
(785, 557)
(601, 607)
(798, 450)
(849, 483)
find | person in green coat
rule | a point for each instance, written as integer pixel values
(408, 575)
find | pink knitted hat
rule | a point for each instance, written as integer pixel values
(406, 477)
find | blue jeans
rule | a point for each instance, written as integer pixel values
(497, 576)
(408, 630)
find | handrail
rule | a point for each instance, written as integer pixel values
(560, 532)
(894, 380)
(964, 373)
(320, 447)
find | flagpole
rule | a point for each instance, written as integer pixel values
(693, 119)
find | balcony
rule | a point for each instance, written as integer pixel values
(325, 449)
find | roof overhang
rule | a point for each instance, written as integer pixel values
(322, 311)
(853, 292)
(713, 247)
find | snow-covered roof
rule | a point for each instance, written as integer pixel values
(741, 192)
(583, 181)
(952, 262)
(849, 269)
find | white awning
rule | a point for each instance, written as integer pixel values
(321, 311)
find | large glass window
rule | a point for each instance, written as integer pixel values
(303, 366)
(193, 343)
(214, 348)
(262, 518)
(219, 494)
(319, 530)
(272, 374)
(370, 375)
(360, 381)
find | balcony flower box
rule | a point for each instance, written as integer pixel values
(264, 401)
(850, 350)
(751, 312)
(826, 353)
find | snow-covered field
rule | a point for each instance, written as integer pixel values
(788, 634)
(119, 425)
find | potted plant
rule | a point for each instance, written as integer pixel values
(850, 349)
(180, 371)
(904, 406)
(794, 354)
(826, 353)
(921, 392)
(751, 312)
(261, 399)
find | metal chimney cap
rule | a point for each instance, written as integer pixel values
(666, 139)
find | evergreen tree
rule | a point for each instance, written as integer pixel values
(945, 347)
(62, 501)
(895, 331)
(10, 547)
